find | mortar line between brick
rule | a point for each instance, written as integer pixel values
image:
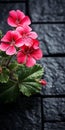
(7, 2)
(42, 115)
(54, 121)
(53, 96)
(55, 55)
(49, 96)
(27, 7)
(53, 22)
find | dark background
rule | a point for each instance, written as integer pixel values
(47, 110)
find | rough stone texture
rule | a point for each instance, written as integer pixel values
(55, 126)
(54, 109)
(54, 75)
(51, 37)
(25, 114)
(47, 10)
(4, 9)
(11, 0)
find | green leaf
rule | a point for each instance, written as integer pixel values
(1, 34)
(29, 88)
(27, 79)
(13, 68)
(3, 54)
(13, 65)
(8, 92)
(30, 73)
(4, 75)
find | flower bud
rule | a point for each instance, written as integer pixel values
(42, 82)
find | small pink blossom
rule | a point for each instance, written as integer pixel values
(10, 41)
(17, 18)
(27, 35)
(28, 55)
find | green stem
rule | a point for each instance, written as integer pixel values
(8, 61)
(14, 81)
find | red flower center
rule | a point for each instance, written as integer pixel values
(24, 35)
(28, 51)
(12, 42)
(17, 22)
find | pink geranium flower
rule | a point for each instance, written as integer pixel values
(10, 41)
(18, 18)
(28, 55)
(27, 35)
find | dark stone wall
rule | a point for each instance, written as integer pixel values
(47, 110)
(25, 114)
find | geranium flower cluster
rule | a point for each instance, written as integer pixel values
(21, 41)
(19, 51)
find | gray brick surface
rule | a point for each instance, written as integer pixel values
(54, 75)
(47, 10)
(51, 37)
(54, 109)
(55, 126)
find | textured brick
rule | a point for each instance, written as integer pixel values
(11, 0)
(25, 114)
(54, 109)
(54, 75)
(55, 126)
(47, 10)
(4, 9)
(22, 115)
(51, 36)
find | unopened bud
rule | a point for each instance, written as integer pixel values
(42, 82)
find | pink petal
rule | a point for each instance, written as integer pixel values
(7, 37)
(11, 22)
(35, 44)
(4, 46)
(13, 14)
(33, 35)
(26, 21)
(23, 30)
(27, 29)
(11, 50)
(12, 18)
(20, 30)
(20, 14)
(19, 42)
(21, 58)
(30, 61)
(24, 41)
(37, 54)
(15, 35)
(27, 42)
